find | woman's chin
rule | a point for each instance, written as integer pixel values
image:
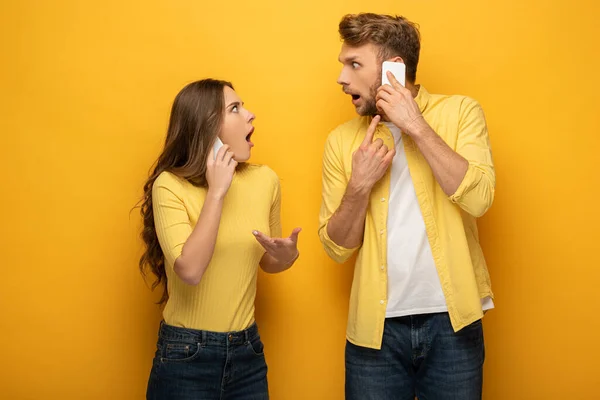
(242, 159)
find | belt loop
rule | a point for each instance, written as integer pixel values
(160, 329)
(247, 335)
(203, 338)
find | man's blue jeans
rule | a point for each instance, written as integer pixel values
(421, 356)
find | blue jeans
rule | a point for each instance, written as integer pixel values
(421, 356)
(193, 364)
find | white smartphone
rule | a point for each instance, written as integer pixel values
(218, 144)
(396, 68)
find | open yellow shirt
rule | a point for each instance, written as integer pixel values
(449, 221)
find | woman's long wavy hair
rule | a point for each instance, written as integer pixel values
(196, 119)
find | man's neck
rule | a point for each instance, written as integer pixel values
(414, 89)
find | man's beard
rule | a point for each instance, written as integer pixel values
(370, 106)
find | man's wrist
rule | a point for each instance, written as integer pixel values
(357, 190)
(418, 127)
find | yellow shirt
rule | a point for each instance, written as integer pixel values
(223, 301)
(449, 221)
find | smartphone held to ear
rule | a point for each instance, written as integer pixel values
(398, 69)
(218, 144)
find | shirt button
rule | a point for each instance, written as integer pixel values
(382, 199)
(381, 301)
(381, 232)
(382, 267)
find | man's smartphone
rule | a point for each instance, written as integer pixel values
(396, 68)
(218, 144)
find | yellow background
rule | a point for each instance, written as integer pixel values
(85, 93)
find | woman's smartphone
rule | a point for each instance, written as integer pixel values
(218, 144)
(398, 69)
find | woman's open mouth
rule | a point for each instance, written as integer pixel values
(249, 136)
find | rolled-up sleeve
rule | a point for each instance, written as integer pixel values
(334, 187)
(475, 194)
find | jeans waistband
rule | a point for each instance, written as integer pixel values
(175, 333)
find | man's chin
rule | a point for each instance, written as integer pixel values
(364, 111)
(361, 110)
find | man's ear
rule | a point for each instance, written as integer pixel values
(396, 59)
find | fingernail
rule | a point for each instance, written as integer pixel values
(255, 233)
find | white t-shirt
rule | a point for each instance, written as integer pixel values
(413, 283)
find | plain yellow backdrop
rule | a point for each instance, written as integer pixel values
(85, 92)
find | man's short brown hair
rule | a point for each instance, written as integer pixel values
(396, 36)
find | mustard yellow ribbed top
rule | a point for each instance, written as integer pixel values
(223, 301)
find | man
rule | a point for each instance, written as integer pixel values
(403, 184)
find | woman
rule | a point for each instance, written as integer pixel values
(204, 217)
